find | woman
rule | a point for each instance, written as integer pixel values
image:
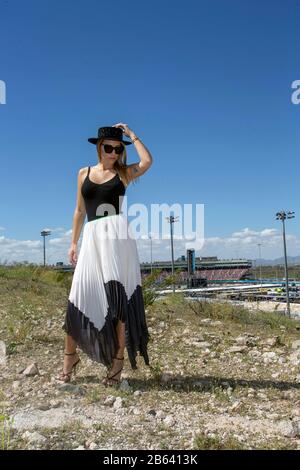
(105, 311)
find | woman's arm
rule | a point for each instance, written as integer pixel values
(80, 210)
(137, 169)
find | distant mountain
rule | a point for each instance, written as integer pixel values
(272, 262)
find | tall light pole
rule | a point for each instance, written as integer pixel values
(282, 216)
(254, 263)
(171, 221)
(44, 234)
(259, 257)
(150, 250)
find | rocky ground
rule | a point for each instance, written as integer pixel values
(271, 306)
(221, 377)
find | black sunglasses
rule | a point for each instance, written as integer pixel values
(109, 148)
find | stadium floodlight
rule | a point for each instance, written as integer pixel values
(171, 221)
(44, 234)
(259, 257)
(283, 215)
(150, 236)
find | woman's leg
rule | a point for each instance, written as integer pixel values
(70, 347)
(121, 338)
(117, 363)
(70, 344)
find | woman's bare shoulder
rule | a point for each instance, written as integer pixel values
(83, 169)
(82, 172)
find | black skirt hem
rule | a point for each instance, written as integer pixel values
(102, 345)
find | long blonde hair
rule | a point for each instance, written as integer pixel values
(120, 165)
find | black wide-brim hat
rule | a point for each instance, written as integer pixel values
(114, 133)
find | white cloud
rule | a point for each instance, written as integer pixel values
(267, 232)
(13, 250)
(245, 233)
(242, 243)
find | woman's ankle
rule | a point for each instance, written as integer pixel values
(120, 354)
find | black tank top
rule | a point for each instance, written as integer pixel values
(102, 199)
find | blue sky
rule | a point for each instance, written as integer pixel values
(205, 84)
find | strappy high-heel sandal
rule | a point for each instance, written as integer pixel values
(66, 376)
(106, 379)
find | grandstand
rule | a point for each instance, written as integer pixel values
(210, 268)
(224, 274)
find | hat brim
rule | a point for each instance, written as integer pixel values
(94, 140)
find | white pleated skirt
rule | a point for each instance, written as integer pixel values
(107, 287)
